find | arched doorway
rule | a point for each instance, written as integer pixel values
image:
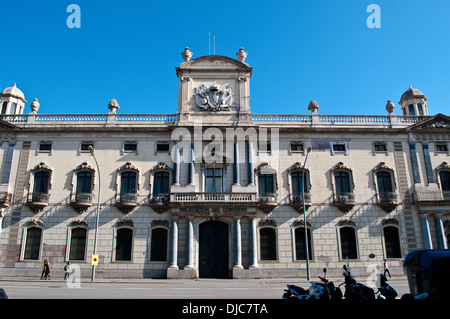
(213, 250)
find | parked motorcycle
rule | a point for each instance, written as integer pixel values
(385, 290)
(322, 291)
(355, 290)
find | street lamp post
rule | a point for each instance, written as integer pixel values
(304, 214)
(91, 149)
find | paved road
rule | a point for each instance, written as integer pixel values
(160, 289)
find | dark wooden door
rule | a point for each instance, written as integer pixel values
(213, 241)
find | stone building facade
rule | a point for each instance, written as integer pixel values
(215, 190)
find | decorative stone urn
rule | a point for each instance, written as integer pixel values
(390, 106)
(241, 55)
(113, 106)
(313, 106)
(186, 54)
(35, 106)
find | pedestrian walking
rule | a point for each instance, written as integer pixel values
(46, 271)
(67, 270)
(386, 268)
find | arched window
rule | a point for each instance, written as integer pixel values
(13, 108)
(32, 243)
(411, 109)
(420, 109)
(392, 242)
(77, 243)
(300, 252)
(159, 244)
(443, 172)
(124, 244)
(4, 107)
(347, 237)
(268, 243)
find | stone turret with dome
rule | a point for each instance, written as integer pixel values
(413, 102)
(12, 100)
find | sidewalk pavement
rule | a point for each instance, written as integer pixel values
(174, 281)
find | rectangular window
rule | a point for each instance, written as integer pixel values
(159, 244)
(160, 184)
(297, 147)
(45, 147)
(77, 244)
(32, 243)
(338, 147)
(379, 147)
(124, 244)
(214, 180)
(130, 147)
(266, 187)
(162, 147)
(441, 148)
(297, 184)
(85, 146)
(342, 180)
(268, 243)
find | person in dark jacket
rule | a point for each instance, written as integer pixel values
(46, 271)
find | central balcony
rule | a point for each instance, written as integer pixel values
(214, 199)
(37, 201)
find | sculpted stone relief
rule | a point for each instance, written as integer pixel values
(215, 98)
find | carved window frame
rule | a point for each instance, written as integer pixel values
(341, 167)
(347, 223)
(120, 226)
(41, 167)
(298, 168)
(265, 168)
(383, 168)
(32, 224)
(297, 225)
(443, 167)
(161, 167)
(83, 167)
(127, 167)
(72, 226)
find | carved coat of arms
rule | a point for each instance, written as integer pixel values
(215, 98)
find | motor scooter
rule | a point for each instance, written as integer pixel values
(318, 290)
(355, 290)
(385, 290)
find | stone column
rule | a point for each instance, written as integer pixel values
(253, 244)
(237, 243)
(176, 166)
(427, 244)
(236, 169)
(191, 167)
(190, 243)
(440, 231)
(174, 244)
(251, 176)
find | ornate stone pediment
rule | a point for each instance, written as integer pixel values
(383, 166)
(437, 122)
(214, 98)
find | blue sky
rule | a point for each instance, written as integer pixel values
(299, 50)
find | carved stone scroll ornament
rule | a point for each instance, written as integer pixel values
(215, 98)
